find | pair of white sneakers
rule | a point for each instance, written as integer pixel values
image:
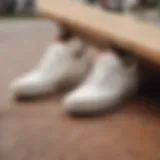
(109, 81)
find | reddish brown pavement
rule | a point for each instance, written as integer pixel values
(40, 130)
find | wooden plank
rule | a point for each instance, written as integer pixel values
(130, 34)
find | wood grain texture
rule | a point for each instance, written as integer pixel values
(130, 34)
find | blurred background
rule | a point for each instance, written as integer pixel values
(12, 7)
(144, 9)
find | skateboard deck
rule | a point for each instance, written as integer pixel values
(124, 32)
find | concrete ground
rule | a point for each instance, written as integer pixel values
(40, 130)
(22, 43)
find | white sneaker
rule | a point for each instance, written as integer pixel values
(62, 63)
(109, 83)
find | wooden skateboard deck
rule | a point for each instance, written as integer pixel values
(109, 28)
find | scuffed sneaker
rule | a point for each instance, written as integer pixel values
(110, 82)
(63, 62)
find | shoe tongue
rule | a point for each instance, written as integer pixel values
(106, 66)
(55, 56)
(75, 46)
(109, 59)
